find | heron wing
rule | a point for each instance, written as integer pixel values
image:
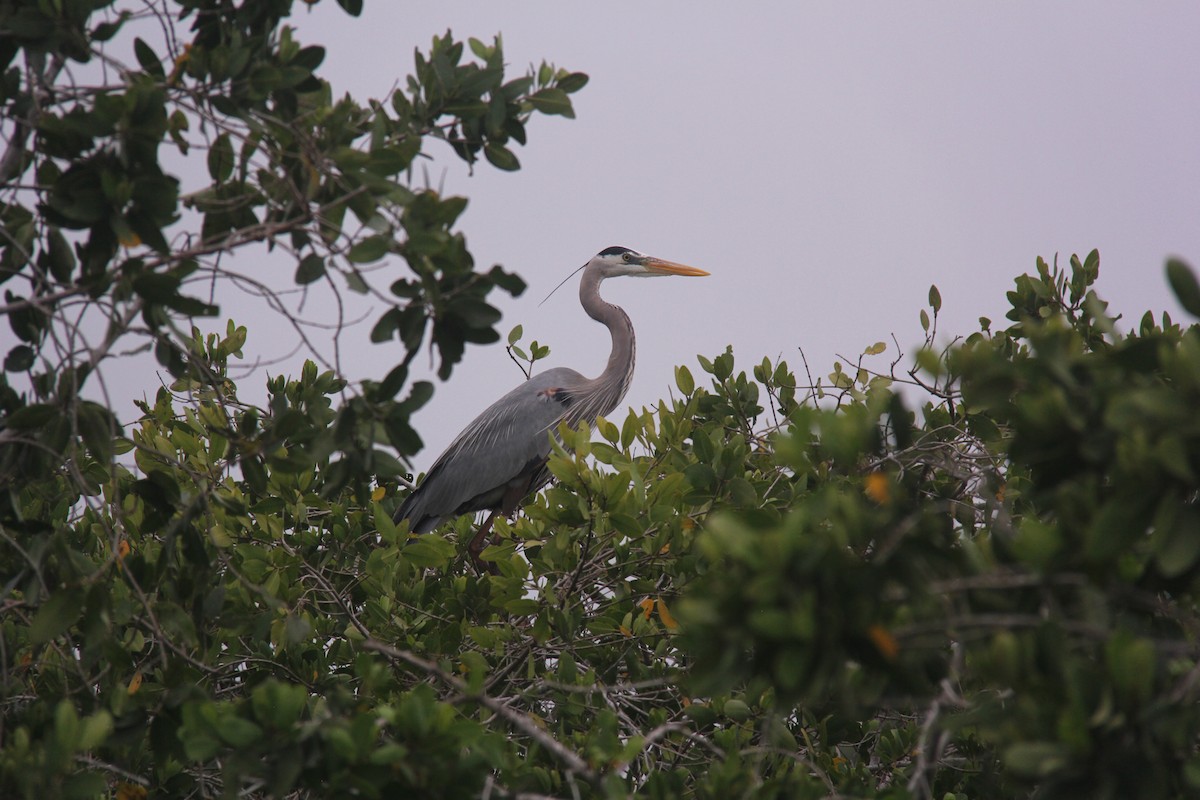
(507, 443)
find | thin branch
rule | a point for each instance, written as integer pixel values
(518, 720)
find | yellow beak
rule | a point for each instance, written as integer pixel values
(662, 267)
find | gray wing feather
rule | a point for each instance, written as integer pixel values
(502, 444)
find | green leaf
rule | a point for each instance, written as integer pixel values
(517, 87)
(106, 30)
(98, 429)
(700, 476)
(255, 474)
(157, 287)
(278, 704)
(1037, 759)
(30, 417)
(386, 161)
(170, 357)
(552, 101)
(630, 429)
(199, 746)
(355, 282)
(475, 312)
(522, 607)
(935, 299)
(311, 268)
(1180, 548)
(66, 725)
(684, 380)
(514, 335)
(56, 615)
(607, 430)
(370, 249)
(19, 359)
(477, 668)
(385, 328)
(501, 157)
(60, 255)
(95, 730)
(191, 306)
(238, 732)
(508, 281)
(147, 58)
(430, 551)
(736, 710)
(928, 360)
(220, 159)
(1131, 664)
(1184, 284)
(85, 785)
(1114, 526)
(480, 49)
(1037, 543)
(573, 82)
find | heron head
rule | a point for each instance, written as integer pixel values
(614, 261)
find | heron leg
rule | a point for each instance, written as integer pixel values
(509, 504)
(481, 540)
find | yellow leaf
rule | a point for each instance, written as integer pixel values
(647, 606)
(884, 642)
(378, 493)
(129, 239)
(875, 349)
(665, 615)
(628, 634)
(131, 791)
(180, 61)
(878, 488)
(666, 548)
(122, 549)
(135, 683)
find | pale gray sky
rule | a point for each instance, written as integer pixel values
(826, 162)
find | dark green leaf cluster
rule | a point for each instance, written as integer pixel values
(91, 217)
(1021, 570)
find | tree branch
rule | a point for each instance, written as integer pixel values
(518, 720)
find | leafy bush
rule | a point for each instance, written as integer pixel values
(759, 587)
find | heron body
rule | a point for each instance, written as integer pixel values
(500, 458)
(498, 452)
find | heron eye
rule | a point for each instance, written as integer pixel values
(627, 257)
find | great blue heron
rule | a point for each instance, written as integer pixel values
(500, 458)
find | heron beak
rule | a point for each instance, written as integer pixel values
(657, 266)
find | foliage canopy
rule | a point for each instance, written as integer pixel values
(976, 578)
(105, 250)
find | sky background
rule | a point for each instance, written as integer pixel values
(825, 162)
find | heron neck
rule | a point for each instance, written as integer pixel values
(610, 386)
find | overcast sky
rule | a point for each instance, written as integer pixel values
(826, 163)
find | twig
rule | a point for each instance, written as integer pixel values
(522, 722)
(928, 750)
